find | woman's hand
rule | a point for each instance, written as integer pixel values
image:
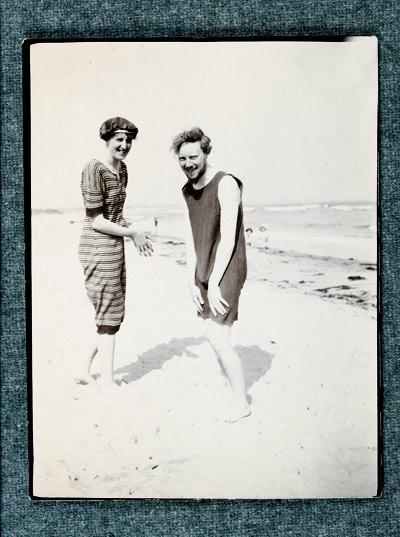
(215, 299)
(142, 243)
(196, 297)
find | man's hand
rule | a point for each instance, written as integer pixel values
(195, 294)
(142, 243)
(216, 301)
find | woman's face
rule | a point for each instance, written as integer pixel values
(119, 145)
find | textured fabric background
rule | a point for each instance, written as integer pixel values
(138, 19)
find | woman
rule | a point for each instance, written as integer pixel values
(101, 248)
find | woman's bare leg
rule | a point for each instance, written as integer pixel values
(106, 350)
(85, 377)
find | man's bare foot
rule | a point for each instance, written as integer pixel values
(110, 388)
(238, 411)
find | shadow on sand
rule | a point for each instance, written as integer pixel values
(156, 357)
(256, 362)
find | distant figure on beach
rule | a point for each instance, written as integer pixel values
(216, 253)
(263, 229)
(249, 232)
(155, 223)
(101, 248)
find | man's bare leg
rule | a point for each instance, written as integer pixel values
(219, 337)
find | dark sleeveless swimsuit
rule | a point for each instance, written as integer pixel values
(204, 214)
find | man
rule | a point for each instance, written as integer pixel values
(216, 253)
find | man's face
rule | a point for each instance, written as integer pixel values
(192, 160)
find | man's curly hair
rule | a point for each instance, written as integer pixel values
(193, 135)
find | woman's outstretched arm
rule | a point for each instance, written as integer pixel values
(142, 242)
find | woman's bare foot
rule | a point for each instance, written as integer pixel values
(86, 378)
(239, 410)
(83, 379)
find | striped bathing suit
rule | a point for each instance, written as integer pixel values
(102, 256)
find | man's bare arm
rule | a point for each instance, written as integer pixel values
(229, 199)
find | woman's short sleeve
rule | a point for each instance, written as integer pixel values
(92, 187)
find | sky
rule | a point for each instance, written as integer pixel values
(295, 121)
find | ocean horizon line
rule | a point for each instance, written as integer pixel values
(248, 205)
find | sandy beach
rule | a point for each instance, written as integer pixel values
(306, 336)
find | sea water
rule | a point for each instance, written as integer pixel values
(337, 230)
(346, 231)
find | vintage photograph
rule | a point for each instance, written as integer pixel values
(204, 269)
